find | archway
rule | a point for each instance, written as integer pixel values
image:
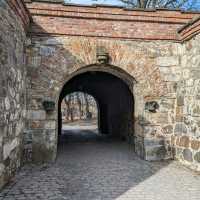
(112, 89)
(79, 118)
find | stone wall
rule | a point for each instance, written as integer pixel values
(14, 21)
(186, 139)
(53, 60)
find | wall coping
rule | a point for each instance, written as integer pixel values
(191, 29)
(183, 20)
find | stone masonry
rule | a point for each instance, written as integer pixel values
(12, 86)
(156, 53)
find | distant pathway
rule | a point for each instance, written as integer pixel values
(94, 167)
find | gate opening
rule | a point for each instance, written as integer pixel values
(79, 114)
(114, 103)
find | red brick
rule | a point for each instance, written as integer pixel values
(108, 22)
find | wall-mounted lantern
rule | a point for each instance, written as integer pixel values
(151, 106)
(49, 105)
(102, 55)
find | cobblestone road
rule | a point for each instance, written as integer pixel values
(96, 168)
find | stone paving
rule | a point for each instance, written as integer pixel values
(94, 167)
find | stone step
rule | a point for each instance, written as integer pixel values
(155, 153)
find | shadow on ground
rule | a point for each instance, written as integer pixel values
(91, 166)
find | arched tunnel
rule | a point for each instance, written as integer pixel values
(114, 99)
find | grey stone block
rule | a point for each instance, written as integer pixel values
(180, 129)
(187, 155)
(154, 153)
(197, 157)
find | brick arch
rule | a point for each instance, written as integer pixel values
(111, 69)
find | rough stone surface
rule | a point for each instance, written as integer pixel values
(195, 144)
(187, 154)
(189, 89)
(180, 129)
(12, 88)
(197, 157)
(184, 142)
(154, 153)
(167, 61)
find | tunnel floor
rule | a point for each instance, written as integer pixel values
(91, 166)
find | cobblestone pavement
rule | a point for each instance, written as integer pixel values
(97, 168)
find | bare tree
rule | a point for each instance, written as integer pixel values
(78, 106)
(86, 105)
(172, 4)
(67, 103)
(78, 99)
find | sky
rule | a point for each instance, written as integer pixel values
(116, 2)
(112, 2)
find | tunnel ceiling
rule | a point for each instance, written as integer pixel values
(94, 83)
